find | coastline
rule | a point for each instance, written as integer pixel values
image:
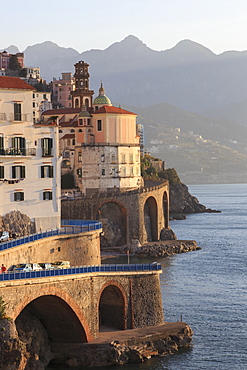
(152, 250)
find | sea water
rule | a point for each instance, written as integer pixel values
(208, 287)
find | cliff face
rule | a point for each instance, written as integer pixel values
(182, 202)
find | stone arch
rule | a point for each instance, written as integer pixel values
(166, 209)
(151, 219)
(112, 306)
(59, 313)
(113, 215)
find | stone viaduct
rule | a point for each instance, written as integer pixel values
(73, 308)
(139, 214)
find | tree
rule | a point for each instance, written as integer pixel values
(14, 65)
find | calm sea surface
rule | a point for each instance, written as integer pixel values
(209, 287)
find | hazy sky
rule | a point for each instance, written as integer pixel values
(219, 25)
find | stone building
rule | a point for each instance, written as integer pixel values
(29, 160)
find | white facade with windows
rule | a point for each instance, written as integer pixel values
(29, 158)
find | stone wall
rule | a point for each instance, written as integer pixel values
(132, 205)
(142, 305)
(79, 249)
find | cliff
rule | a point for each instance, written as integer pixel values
(182, 202)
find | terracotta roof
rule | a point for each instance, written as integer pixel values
(15, 83)
(68, 124)
(111, 109)
(68, 136)
(55, 112)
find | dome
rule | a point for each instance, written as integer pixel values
(84, 112)
(102, 99)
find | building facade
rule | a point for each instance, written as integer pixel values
(29, 158)
(99, 143)
(61, 91)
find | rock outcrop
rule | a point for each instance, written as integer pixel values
(17, 224)
(182, 202)
(164, 249)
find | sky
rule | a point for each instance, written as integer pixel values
(219, 25)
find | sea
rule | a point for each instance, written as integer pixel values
(207, 288)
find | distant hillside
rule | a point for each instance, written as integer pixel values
(202, 150)
(188, 75)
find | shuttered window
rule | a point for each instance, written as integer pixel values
(18, 172)
(46, 171)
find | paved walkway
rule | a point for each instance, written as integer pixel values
(134, 335)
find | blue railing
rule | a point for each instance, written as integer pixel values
(80, 270)
(72, 227)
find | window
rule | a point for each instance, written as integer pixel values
(17, 111)
(80, 122)
(102, 158)
(103, 172)
(18, 196)
(18, 172)
(113, 158)
(19, 145)
(123, 158)
(1, 172)
(99, 125)
(80, 130)
(44, 96)
(72, 130)
(79, 157)
(33, 96)
(46, 144)
(1, 145)
(33, 104)
(47, 195)
(131, 157)
(131, 171)
(46, 171)
(79, 172)
(73, 141)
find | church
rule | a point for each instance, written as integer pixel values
(99, 143)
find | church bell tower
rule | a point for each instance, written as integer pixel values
(81, 96)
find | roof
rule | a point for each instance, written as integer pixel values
(14, 83)
(68, 136)
(54, 112)
(112, 110)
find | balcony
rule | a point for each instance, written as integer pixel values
(18, 117)
(14, 152)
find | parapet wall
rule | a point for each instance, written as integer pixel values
(79, 249)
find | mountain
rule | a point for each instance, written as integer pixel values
(191, 101)
(203, 150)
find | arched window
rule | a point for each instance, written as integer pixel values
(73, 141)
(72, 130)
(80, 130)
(76, 103)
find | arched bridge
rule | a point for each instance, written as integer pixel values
(74, 304)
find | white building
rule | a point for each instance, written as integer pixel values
(29, 160)
(41, 103)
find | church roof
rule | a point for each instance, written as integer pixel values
(112, 110)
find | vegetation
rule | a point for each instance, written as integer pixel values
(3, 306)
(151, 168)
(14, 65)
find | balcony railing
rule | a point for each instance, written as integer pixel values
(18, 152)
(47, 152)
(3, 116)
(18, 117)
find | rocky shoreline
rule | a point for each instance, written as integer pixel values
(130, 346)
(166, 248)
